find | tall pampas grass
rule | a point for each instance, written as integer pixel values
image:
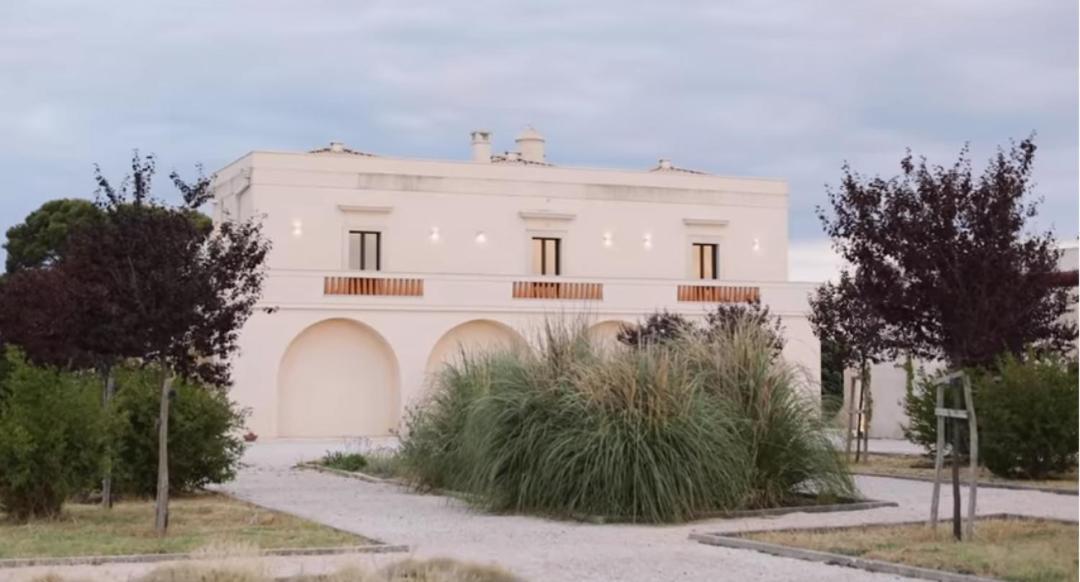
(659, 433)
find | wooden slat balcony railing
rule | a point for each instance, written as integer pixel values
(719, 294)
(558, 290)
(387, 287)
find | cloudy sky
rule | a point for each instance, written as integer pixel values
(778, 89)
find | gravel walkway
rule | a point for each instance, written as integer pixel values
(543, 550)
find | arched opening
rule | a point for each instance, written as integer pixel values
(471, 337)
(604, 333)
(338, 378)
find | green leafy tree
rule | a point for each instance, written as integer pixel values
(857, 336)
(41, 238)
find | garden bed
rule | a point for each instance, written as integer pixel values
(807, 504)
(921, 468)
(196, 522)
(1005, 546)
(359, 475)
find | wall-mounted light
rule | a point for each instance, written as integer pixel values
(297, 228)
(757, 245)
(647, 241)
(608, 240)
(481, 238)
(434, 235)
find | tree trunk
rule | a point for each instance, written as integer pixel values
(106, 481)
(868, 405)
(850, 420)
(860, 441)
(956, 469)
(161, 511)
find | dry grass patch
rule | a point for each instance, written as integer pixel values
(1012, 549)
(923, 467)
(411, 570)
(202, 521)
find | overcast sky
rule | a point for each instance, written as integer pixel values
(777, 89)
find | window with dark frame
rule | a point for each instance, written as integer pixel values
(547, 255)
(365, 250)
(705, 261)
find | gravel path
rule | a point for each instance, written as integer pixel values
(543, 550)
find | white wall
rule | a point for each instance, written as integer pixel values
(327, 195)
(376, 352)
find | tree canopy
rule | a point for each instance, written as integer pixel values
(841, 317)
(946, 259)
(41, 238)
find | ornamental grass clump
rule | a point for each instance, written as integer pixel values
(657, 432)
(779, 428)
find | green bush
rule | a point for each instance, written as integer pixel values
(663, 431)
(919, 404)
(344, 461)
(204, 434)
(51, 438)
(1027, 413)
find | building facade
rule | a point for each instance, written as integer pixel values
(382, 269)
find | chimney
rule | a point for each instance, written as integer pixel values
(531, 145)
(337, 146)
(481, 146)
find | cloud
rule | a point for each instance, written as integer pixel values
(813, 261)
(780, 89)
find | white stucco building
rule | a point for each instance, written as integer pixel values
(382, 268)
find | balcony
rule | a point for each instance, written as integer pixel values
(615, 296)
(558, 290)
(374, 286)
(718, 293)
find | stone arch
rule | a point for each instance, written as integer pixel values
(338, 377)
(471, 336)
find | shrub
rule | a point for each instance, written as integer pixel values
(919, 404)
(723, 322)
(664, 431)
(344, 461)
(51, 438)
(205, 445)
(659, 327)
(1027, 413)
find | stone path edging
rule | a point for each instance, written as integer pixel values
(836, 559)
(737, 540)
(982, 484)
(767, 512)
(151, 558)
(351, 474)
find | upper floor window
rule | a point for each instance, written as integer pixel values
(705, 261)
(546, 253)
(365, 250)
